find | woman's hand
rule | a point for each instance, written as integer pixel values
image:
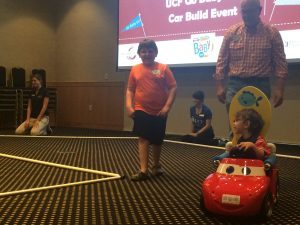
(193, 134)
(27, 122)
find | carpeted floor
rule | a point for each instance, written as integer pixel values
(171, 199)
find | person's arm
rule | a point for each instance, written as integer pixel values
(44, 108)
(130, 93)
(207, 126)
(192, 127)
(222, 68)
(278, 91)
(280, 69)
(28, 110)
(170, 100)
(28, 113)
(220, 91)
(129, 102)
(192, 124)
(256, 147)
(172, 86)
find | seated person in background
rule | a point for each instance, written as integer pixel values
(248, 124)
(201, 116)
(37, 120)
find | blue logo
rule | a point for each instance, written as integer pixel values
(203, 46)
(247, 98)
(136, 22)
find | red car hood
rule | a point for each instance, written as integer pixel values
(234, 194)
(236, 185)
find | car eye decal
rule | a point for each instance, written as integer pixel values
(246, 171)
(229, 169)
(233, 169)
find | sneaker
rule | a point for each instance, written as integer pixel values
(157, 171)
(139, 176)
(222, 142)
(49, 130)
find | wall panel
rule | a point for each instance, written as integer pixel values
(90, 104)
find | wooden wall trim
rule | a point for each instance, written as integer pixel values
(85, 84)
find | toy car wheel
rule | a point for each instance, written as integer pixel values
(267, 207)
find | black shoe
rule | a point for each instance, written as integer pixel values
(49, 130)
(222, 142)
(139, 176)
(157, 171)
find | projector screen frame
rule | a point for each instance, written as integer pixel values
(133, 48)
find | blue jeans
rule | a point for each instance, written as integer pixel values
(235, 84)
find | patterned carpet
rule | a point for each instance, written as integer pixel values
(170, 199)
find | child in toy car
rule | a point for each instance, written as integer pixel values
(240, 186)
(251, 144)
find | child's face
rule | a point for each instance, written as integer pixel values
(147, 56)
(239, 126)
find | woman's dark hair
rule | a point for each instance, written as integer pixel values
(255, 119)
(199, 95)
(147, 43)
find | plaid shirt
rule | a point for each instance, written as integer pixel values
(244, 54)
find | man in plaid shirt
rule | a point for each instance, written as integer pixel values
(250, 54)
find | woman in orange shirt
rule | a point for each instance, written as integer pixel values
(150, 94)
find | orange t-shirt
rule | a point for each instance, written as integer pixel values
(150, 86)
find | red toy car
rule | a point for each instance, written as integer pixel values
(240, 187)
